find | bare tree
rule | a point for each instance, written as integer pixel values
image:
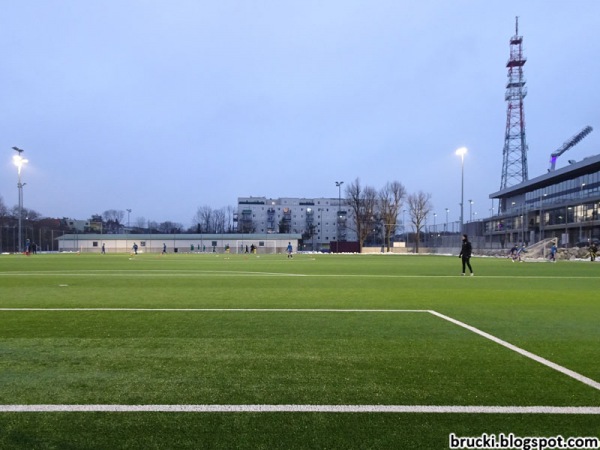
(391, 198)
(353, 199)
(204, 218)
(3, 209)
(218, 220)
(170, 227)
(3, 218)
(26, 214)
(229, 211)
(113, 215)
(363, 202)
(14, 212)
(419, 206)
(140, 222)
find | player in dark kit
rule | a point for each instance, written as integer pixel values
(465, 254)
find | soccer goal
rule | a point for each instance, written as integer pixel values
(540, 249)
(261, 247)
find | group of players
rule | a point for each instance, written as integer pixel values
(517, 251)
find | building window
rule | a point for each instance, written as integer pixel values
(95, 244)
(142, 243)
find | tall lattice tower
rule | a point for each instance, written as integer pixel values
(514, 164)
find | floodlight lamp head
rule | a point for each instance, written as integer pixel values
(461, 151)
(18, 161)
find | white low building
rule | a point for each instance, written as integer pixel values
(178, 243)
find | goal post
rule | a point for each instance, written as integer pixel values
(261, 246)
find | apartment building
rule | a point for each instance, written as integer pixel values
(320, 221)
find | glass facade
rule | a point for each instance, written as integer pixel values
(559, 207)
(568, 191)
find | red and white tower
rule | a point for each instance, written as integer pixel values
(514, 163)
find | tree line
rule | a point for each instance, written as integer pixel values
(43, 230)
(379, 210)
(206, 220)
(374, 211)
(34, 227)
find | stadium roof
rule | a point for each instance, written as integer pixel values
(182, 236)
(583, 167)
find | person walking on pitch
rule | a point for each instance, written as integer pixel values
(465, 254)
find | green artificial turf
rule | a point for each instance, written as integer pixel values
(160, 347)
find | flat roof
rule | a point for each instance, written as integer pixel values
(583, 167)
(182, 236)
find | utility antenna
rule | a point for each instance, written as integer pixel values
(514, 161)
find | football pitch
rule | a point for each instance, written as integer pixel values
(319, 351)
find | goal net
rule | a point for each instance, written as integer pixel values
(540, 249)
(261, 247)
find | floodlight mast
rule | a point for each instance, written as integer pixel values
(19, 161)
(567, 145)
(461, 152)
(338, 184)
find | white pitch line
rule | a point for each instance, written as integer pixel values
(588, 410)
(533, 356)
(146, 274)
(315, 310)
(201, 273)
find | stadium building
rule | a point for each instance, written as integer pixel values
(561, 204)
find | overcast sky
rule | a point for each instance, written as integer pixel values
(165, 106)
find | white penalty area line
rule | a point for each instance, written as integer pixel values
(527, 354)
(588, 410)
(570, 373)
(313, 310)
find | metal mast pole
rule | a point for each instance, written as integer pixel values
(514, 162)
(339, 212)
(19, 161)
